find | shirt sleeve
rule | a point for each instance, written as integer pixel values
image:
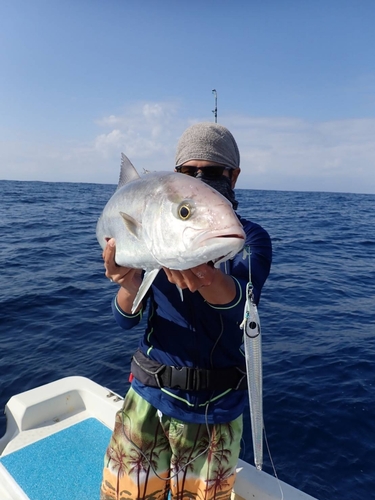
(123, 319)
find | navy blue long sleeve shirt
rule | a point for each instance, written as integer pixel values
(197, 334)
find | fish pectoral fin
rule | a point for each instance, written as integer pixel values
(133, 226)
(148, 278)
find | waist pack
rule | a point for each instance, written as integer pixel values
(154, 374)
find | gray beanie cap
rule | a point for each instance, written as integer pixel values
(208, 141)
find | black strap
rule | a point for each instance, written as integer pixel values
(154, 374)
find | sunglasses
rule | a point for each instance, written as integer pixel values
(209, 172)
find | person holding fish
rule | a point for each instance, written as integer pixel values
(178, 434)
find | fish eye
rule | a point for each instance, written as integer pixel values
(184, 211)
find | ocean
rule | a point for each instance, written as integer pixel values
(317, 313)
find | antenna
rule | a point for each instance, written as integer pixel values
(215, 110)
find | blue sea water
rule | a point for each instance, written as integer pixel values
(317, 312)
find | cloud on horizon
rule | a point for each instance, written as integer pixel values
(276, 153)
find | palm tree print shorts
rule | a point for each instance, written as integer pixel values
(154, 457)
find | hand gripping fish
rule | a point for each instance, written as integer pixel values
(253, 357)
(167, 219)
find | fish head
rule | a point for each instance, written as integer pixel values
(188, 223)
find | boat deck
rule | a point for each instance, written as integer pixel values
(66, 465)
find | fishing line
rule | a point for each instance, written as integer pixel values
(272, 463)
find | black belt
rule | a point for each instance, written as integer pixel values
(154, 374)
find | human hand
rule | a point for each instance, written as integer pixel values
(127, 277)
(194, 279)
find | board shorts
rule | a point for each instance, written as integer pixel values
(153, 456)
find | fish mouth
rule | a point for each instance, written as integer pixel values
(216, 262)
(223, 258)
(218, 246)
(210, 236)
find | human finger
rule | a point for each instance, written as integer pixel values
(175, 277)
(109, 251)
(127, 278)
(109, 254)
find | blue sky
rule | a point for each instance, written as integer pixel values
(83, 80)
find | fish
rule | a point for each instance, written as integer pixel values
(167, 219)
(254, 372)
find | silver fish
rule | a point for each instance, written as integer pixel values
(167, 219)
(253, 357)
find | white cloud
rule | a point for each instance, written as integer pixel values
(279, 153)
(106, 143)
(276, 153)
(142, 131)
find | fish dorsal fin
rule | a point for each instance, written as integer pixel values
(128, 172)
